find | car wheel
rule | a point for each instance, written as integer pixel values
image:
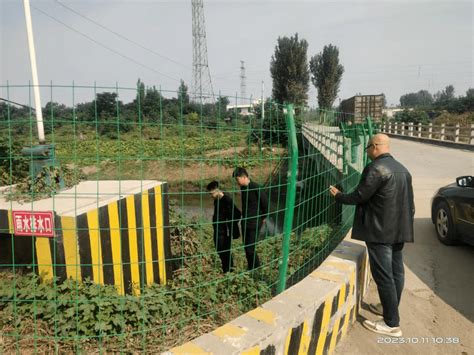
(444, 224)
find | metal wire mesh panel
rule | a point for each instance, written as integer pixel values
(147, 219)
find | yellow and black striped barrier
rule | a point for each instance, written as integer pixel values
(310, 317)
(125, 243)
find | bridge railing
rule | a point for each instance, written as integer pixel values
(441, 132)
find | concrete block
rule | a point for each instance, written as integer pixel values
(309, 317)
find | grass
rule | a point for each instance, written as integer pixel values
(47, 317)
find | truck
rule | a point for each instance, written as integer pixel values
(358, 107)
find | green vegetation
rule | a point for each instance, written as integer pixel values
(289, 71)
(199, 298)
(326, 75)
(442, 107)
(13, 167)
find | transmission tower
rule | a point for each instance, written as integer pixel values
(243, 85)
(202, 84)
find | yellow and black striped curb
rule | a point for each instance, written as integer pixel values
(308, 318)
(123, 243)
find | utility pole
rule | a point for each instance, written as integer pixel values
(34, 72)
(263, 100)
(243, 85)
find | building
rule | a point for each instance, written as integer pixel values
(390, 112)
(244, 109)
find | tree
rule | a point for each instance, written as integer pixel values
(105, 105)
(272, 130)
(444, 98)
(106, 109)
(421, 98)
(415, 116)
(289, 71)
(151, 105)
(326, 75)
(57, 110)
(183, 93)
(221, 104)
(140, 91)
(55, 115)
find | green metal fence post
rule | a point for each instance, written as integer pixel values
(290, 195)
(370, 127)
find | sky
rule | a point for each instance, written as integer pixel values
(394, 47)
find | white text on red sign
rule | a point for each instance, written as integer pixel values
(40, 224)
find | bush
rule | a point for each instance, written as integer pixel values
(414, 116)
(13, 166)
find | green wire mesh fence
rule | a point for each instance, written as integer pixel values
(114, 235)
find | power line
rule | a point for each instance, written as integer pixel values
(122, 36)
(103, 45)
(243, 85)
(16, 103)
(128, 39)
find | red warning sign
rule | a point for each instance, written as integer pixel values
(39, 224)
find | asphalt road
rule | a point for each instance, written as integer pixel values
(437, 306)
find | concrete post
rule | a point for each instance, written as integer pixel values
(430, 130)
(471, 139)
(403, 128)
(410, 129)
(456, 133)
(420, 128)
(396, 127)
(443, 132)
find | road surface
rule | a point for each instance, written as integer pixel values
(437, 306)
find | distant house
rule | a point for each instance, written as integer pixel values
(244, 109)
(390, 112)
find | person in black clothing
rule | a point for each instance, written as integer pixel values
(384, 220)
(225, 222)
(254, 212)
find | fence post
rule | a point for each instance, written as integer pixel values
(420, 129)
(370, 127)
(430, 131)
(403, 129)
(396, 127)
(410, 129)
(471, 139)
(456, 133)
(443, 132)
(290, 196)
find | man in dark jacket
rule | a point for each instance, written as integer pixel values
(254, 212)
(384, 220)
(225, 222)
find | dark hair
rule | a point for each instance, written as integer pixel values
(239, 172)
(212, 185)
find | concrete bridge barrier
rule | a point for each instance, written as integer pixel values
(308, 318)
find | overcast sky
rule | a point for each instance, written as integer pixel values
(393, 47)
